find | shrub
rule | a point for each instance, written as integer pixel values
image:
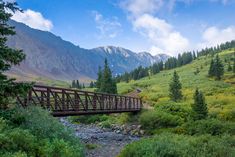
(16, 154)
(209, 126)
(89, 119)
(171, 145)
(106, 124)
(158, 119)
(36, 133)
(61, 148)
(13, 140)
(179, 109)
(124, 118)
(90, 146)
(43, 125)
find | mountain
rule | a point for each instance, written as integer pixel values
(49, 56)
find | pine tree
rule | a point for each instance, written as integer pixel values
(8, 57)
(126, 77)
(77, 85)
(216, 68)
(194, 55)
(155, 68)
(73, 84)
(108, 84)
(199, 106)
(234, 63)
(160, 65)
(211, 71)
(99, 79)
(114, 87)
(175, 88)
(91, 84)
(180, 60)
(229, 67)
(219, 68)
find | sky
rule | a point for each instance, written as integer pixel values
(155, 26)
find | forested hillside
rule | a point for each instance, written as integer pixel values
(219, 94)
(173, 62)
(176, 118)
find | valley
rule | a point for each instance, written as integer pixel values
(58, 99)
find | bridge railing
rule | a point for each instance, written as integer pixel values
(62, 101)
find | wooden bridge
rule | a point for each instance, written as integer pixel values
(68, 102)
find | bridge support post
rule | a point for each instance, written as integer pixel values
(116, 102)
(76, 101)
(86, 101)
(48, 98)
(63, 99)
(94, 102)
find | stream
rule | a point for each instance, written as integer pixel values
(107, 142)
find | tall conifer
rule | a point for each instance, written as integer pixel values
(211, 71)
(107, 83)
(8, 57)
(229, 67)
(199, 106)
(234, 63)
(99, 79)
(175, 88)
(219, 68)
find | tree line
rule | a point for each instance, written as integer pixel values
(173, 62)
(77, 84)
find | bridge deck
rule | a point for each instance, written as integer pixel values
(66, 102)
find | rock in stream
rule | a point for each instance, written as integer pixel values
(107, 142)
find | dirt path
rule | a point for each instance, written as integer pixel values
(136, 93)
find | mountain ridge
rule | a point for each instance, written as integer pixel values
(48, 55)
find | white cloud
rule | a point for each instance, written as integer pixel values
(213, 36)
(161, 34)
(33, 19)
(222, 1)
(9, 1)
(138, 7)
(107, 27)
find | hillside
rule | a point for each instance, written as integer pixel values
(49, 56)
(220, 95)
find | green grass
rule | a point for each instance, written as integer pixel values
(171, 145)
(91, 146)
(52, 82)
(220, 95)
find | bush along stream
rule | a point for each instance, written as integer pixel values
(101, 141)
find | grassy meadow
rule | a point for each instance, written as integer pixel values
(173, 130)
(170, 124)
(220, 95)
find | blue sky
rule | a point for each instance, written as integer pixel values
(156, 26)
